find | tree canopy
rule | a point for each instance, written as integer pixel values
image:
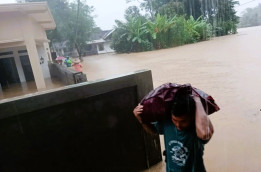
(251, 17)
(169, 23)
(74, 22)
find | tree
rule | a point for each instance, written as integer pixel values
(251, 17)
(60, 11)
(220, 13)
(133, 12)
(172, 8)
(80, 26)
(159, 30)
(74, 22)
(130, 36)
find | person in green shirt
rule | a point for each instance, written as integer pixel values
(185, 133)
(68, 61)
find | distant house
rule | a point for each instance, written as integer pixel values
(100, 43)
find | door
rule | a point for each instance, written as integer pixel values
(8, 72)
(26, 65)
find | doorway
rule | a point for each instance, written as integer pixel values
(26, 65)
(8, 72)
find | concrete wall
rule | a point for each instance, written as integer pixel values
(10, 27)
(66, 75)
(107, 48)
(39, 32)
(83, 127)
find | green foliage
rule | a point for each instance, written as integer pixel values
(199, 29)
(159, 31)
(163, 32)
(74, 22)
(172, 8)
(189, 31)
(251, 17)
(219, 13)
(130, 36)
(81, 26)
(60, 11)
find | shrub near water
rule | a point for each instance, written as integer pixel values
(136, 35)
(131, 36)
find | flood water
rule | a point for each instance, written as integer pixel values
(229, 69)
(29, 87)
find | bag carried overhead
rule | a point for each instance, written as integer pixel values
(157, 103)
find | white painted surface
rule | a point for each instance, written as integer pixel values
(43, 54)
(25, 25)
(33, 54)
(107, 48)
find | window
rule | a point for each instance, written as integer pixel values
(22, 51)
(6, 53)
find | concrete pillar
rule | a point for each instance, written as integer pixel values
(19, 66)
(35, 63)
(43, 54)
(30, 44)
(48, 52)
(97, 47)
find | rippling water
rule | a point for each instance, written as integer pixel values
(228, 68)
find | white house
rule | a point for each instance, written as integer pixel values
(100, 43)
(24, 47)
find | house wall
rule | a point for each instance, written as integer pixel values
(44, 64)
(106, 46)
(41, 53)
(19, 29)
(10, 26)
(92, 50)
(39, 32)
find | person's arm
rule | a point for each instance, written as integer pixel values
(204, 127)
(149, 128)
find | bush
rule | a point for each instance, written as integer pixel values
(133, 36)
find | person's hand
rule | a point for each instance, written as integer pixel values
(137, 111)
(196, 98)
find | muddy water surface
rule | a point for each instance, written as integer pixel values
(228, 68)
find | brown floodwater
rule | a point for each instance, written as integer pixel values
(23, 88)
(229, 69)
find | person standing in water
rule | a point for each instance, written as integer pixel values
(77, 65)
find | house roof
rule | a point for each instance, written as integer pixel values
(39, 11)
(100, 36)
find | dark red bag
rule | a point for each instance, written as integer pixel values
(157, 103)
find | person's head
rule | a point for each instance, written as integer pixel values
(183, 111)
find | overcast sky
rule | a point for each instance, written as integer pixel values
(106, 11)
